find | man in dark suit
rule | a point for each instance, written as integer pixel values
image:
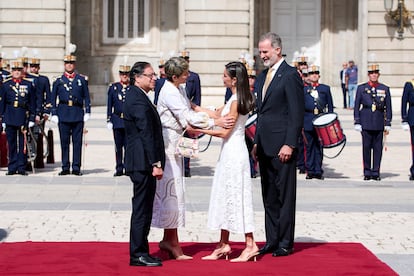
(144, 159)
(280, 111)
(342, 74)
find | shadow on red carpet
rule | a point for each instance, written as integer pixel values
(111, 258)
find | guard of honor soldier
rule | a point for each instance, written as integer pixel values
(407, 116)
(71, 112)
(301, 64)
(193, 90)
(43, 106)
(17, 112)
(318, 100)
(372, 117)
(115, 116)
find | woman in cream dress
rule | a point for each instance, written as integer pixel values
(176, 114)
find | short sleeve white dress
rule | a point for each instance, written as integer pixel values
(231, 200)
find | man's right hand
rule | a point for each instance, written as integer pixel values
(157, 172)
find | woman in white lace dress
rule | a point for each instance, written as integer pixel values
(231, 202)
(176, 114)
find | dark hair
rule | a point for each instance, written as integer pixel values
(245, 100)
(137, 70)
(175, 66)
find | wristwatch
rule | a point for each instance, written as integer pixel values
(157, 164)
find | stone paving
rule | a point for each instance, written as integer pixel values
(96, 207)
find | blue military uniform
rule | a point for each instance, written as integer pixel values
(193, 91)
(158, 85)
(4, 75)
(73, 93)
(407, 101)
(115, 115)
(372, 111)
(318, 100)
(17, 108)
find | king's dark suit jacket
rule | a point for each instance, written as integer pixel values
(279, 122)
(144, 132)
(280, 113)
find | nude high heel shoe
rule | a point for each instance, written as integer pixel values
(246, 256)
(218, 253)
(172, 252)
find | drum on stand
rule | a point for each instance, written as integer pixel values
(329, 131)
(250, 126)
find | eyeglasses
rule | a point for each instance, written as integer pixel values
(373, 72)
(314, 73)
(150, 75)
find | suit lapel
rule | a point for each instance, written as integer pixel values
(278, 75)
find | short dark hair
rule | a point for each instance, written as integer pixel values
(137, 70)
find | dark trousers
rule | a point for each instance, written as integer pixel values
(67, 131)
(17, 156)
(344, 90)
(314, 153)
(372, 151)
(300, 163)
(144, 185)
(279, 199)
(412, 150)
(120, 145)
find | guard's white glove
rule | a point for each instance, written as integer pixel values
(358, 127)
(55, 119)
(31, 124)
(405, 126)
(387, 128)
(3, 125)
(86, 117)
(109, 126)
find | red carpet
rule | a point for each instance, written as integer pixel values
(110, 258)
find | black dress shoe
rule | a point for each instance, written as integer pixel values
(302, 171)
(281, 252)
(78, 173)
(144, 261)
(309, 176)
(10, 173)
(265, 250)
(367, 177)
(411, 177)
(64, 172)
(23, 173)
(377, 178)
(318, 176)
(118, 174)
(187, 174)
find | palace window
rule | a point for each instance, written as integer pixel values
(125, 21)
